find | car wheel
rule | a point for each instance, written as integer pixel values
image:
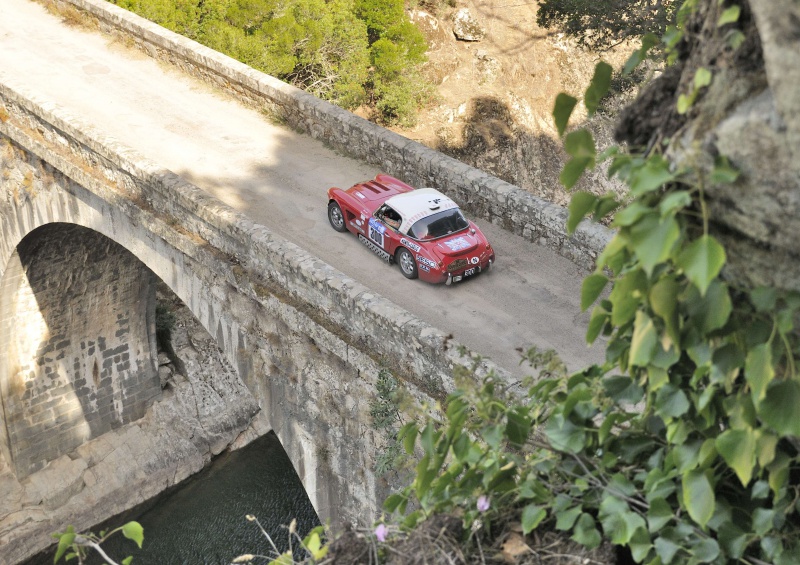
(407, 264)
(336, 218)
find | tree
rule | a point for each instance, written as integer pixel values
(600, 25)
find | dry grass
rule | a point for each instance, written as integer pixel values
(439, 541)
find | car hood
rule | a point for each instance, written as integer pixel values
(459, 244)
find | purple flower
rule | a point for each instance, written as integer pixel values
(380, 532)
(483, 503)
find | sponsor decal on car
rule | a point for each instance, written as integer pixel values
(376, 231)
(474, 260)
(424, 268)
(357, 224)
(425, 261)
(457, 244)
(410, 244)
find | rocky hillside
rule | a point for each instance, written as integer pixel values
(497, 75)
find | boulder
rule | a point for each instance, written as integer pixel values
(466, 27)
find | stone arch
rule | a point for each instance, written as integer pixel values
(77, 343)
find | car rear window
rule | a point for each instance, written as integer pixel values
(439, 225)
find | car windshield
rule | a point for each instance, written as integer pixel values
(439, 225)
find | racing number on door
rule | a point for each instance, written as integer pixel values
(376, 231)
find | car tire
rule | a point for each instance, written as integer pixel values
(336, 218)
(408, 266)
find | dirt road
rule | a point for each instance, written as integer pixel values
(279, 178)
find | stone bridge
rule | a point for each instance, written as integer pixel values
(88, 226)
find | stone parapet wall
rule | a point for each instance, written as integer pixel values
(477, 192)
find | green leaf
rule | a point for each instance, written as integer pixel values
(758, 371)
(649, 41)
(128, 560)
(711, 313)
(702, 78)
(723, 172)
(729, 16)
(698, 496)
(671, 402)
(427, 440)
(585, 532)
(733, 539)
(518, 425)
(64, 542)
(666, 549)
(393, 501)
(630, 214)
(763, 521)
(532, 516)
(684, 103)
(664, 301)
(652, 239)
(592, 286)
(409, 435)
(619, 522)
(702, 261)
(622, 388)
(564, 435)
(643, 342)
(625, 296)
(640, 545)
(605, 205)
(653, 175)
(613, 254)
(564, 106)
(706, 551)
(738, 449)
(673, 202)
(134, 532)
(596, 323)
(779, 408)
(659, 514)
(566, 518)
(581, 204)
(580, 143)
(598, 87)
(763, 298)
(573, 170)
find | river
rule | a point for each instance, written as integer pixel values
(202, 520)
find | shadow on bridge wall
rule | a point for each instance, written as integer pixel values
(77, 346)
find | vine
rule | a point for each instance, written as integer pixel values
(683, 444)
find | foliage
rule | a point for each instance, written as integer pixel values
(350, 52)
(385, 416)
(311, 548)
(74, 545)
(683, 444)
(600, 25)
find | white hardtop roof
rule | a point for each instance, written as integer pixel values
(418, 204)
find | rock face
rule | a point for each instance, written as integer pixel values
(466, 27)
(750, 114)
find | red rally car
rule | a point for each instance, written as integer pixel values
(422, 230)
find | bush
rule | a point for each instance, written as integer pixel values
(348, 52)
